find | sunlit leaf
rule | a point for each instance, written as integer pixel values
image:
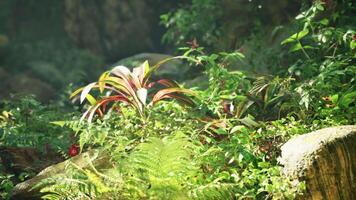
(86, 91)
(162, 93)
(121, 71)
(142, 95)
(296, 36)
(101, 81)
(296, 47)
(91, 99)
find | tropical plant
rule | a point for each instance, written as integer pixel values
(131, 88)
(274, 97)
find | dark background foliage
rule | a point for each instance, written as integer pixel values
(49, 44)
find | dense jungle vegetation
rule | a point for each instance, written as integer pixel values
(257, 74)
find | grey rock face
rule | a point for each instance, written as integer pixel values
(325, 160)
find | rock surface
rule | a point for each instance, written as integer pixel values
(19, 159)
(26, 84)
(113, 28)
(173, 69)
(325, 160)
(24, 190)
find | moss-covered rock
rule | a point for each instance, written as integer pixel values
(25, 190)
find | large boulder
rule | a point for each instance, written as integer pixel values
(325, 160)
(115, 29)
(25, 189)
(16, 160)
(174, 69)
(26, 84)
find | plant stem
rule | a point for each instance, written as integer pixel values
(303, 50)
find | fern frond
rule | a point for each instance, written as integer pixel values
(164, 165)
(156, 169)
(213, 191)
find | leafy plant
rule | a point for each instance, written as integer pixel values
(158, 168)
(225, 147)
(26, 123)
(327, 69)
(274, 97)
(130, 88)
(6, 184)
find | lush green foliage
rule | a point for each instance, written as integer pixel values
(219, 166)
(226, 145)
(6, 184)
(224, 25)
(326, 48)
(26, 123)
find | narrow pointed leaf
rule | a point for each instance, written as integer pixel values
(141, 71)
(142, 95)
(121, 70)
(180, 98)
(101, 81)
(166, 91)
(75, 93)
(86, 91)
(168, 83)
(91, 99)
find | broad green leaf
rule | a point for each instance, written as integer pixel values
(295, 47)
(352, 44)
(242, 107)
(91, 99)
(347, 99)
(249, 121)
(263, 164)
(319, 6)
(296, 36)
(324, 21)
(334, 98)
(59, 123)
(308, 47)
(236, 128)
